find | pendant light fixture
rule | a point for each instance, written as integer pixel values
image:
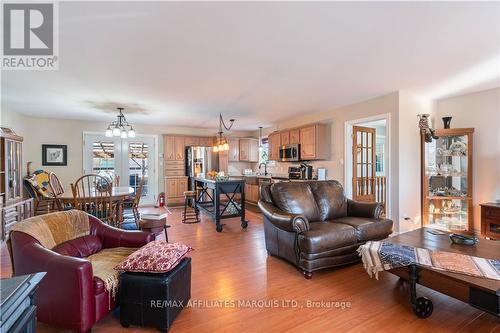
(120, 127)
(222, 144)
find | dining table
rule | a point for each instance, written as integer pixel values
(118, 196)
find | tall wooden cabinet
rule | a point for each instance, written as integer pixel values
(447, 180)
(176, 181)
(13, 206)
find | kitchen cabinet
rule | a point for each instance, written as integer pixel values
(174, 189)
(249, 150)
(234, 150)
(251, 193)
(169, 148)
(274, 143)
(313, 143)
(179, 148)
(224, 161)
(308, 142)
(206, 141)
(285, 138)
(190, 141)
(294, 136)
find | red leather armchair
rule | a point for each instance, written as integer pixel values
(70, 296)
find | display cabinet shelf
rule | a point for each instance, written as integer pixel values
(447, 180)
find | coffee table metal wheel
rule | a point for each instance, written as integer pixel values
(422, 306)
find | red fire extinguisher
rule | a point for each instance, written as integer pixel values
(161, 199)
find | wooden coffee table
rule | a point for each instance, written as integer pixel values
(483, 294)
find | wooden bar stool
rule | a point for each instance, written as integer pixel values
(190, 215)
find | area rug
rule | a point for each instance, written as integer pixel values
(382, 256)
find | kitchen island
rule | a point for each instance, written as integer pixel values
(209, 200)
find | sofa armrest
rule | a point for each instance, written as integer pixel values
(364, 209)
(283, 220)
(66, 294)
(114, 237)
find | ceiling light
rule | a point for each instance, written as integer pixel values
(120, 127)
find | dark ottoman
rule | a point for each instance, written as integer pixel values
(155, 300)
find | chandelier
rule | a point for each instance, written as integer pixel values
(221, 144)
(120, 127)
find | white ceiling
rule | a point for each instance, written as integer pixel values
(180, 64)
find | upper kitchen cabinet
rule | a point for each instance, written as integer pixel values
(274, 143)
(313, 143)
(179, 148)
(169, 147)
(294, 136)
(249, 150)
(191, 141)
(173, 147)
(234, 150)
(206, 141)
(223, 161)
(285, 138)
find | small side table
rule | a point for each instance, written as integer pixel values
(490, 220)
(155, 226)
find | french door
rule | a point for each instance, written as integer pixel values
(124, 161)
(363, 163)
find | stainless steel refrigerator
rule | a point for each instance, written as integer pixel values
(199, 161)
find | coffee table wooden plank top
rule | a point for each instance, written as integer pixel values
(485, 249)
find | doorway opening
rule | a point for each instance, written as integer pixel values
(367, 160)
(123, 161)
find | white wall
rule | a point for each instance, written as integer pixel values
(481, 111)
(409, 194)
(336, 119)
(38, 131)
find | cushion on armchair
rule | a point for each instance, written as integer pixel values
(155, 257)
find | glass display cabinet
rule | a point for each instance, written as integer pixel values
(447, 180)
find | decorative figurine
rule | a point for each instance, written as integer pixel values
(423, 124)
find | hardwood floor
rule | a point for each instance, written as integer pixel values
(234, 265)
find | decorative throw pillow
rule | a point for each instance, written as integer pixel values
(154, 257)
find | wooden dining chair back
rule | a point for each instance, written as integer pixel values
(38, 187)
(137, 200)
(92, 193)
(57, 189)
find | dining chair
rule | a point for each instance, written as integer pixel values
(38, 187)
(93, 194)
(57, 189)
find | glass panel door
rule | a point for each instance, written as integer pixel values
(123, 161)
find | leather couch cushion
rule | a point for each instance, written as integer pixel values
(324, 236)
(80, 247)
(295, 198)
(368, 228)
(98, 286)
(329, 196)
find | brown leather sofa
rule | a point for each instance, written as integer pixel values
(312, 224)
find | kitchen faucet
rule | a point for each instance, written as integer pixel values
(265, 168)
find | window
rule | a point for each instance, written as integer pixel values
(379, 158)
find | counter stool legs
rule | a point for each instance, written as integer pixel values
(190, 215)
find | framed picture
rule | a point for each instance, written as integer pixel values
(54, 155)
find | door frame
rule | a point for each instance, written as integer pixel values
(348, 155)
(154, 186)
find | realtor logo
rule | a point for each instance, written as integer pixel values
(29, 39)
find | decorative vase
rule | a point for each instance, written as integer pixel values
(446, 122)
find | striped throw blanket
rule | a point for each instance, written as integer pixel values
(382, 256)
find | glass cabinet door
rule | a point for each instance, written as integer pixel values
(13, 153)
(447, 200)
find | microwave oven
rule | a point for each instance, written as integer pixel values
(290, 153)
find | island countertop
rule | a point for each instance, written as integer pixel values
(213, 181)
